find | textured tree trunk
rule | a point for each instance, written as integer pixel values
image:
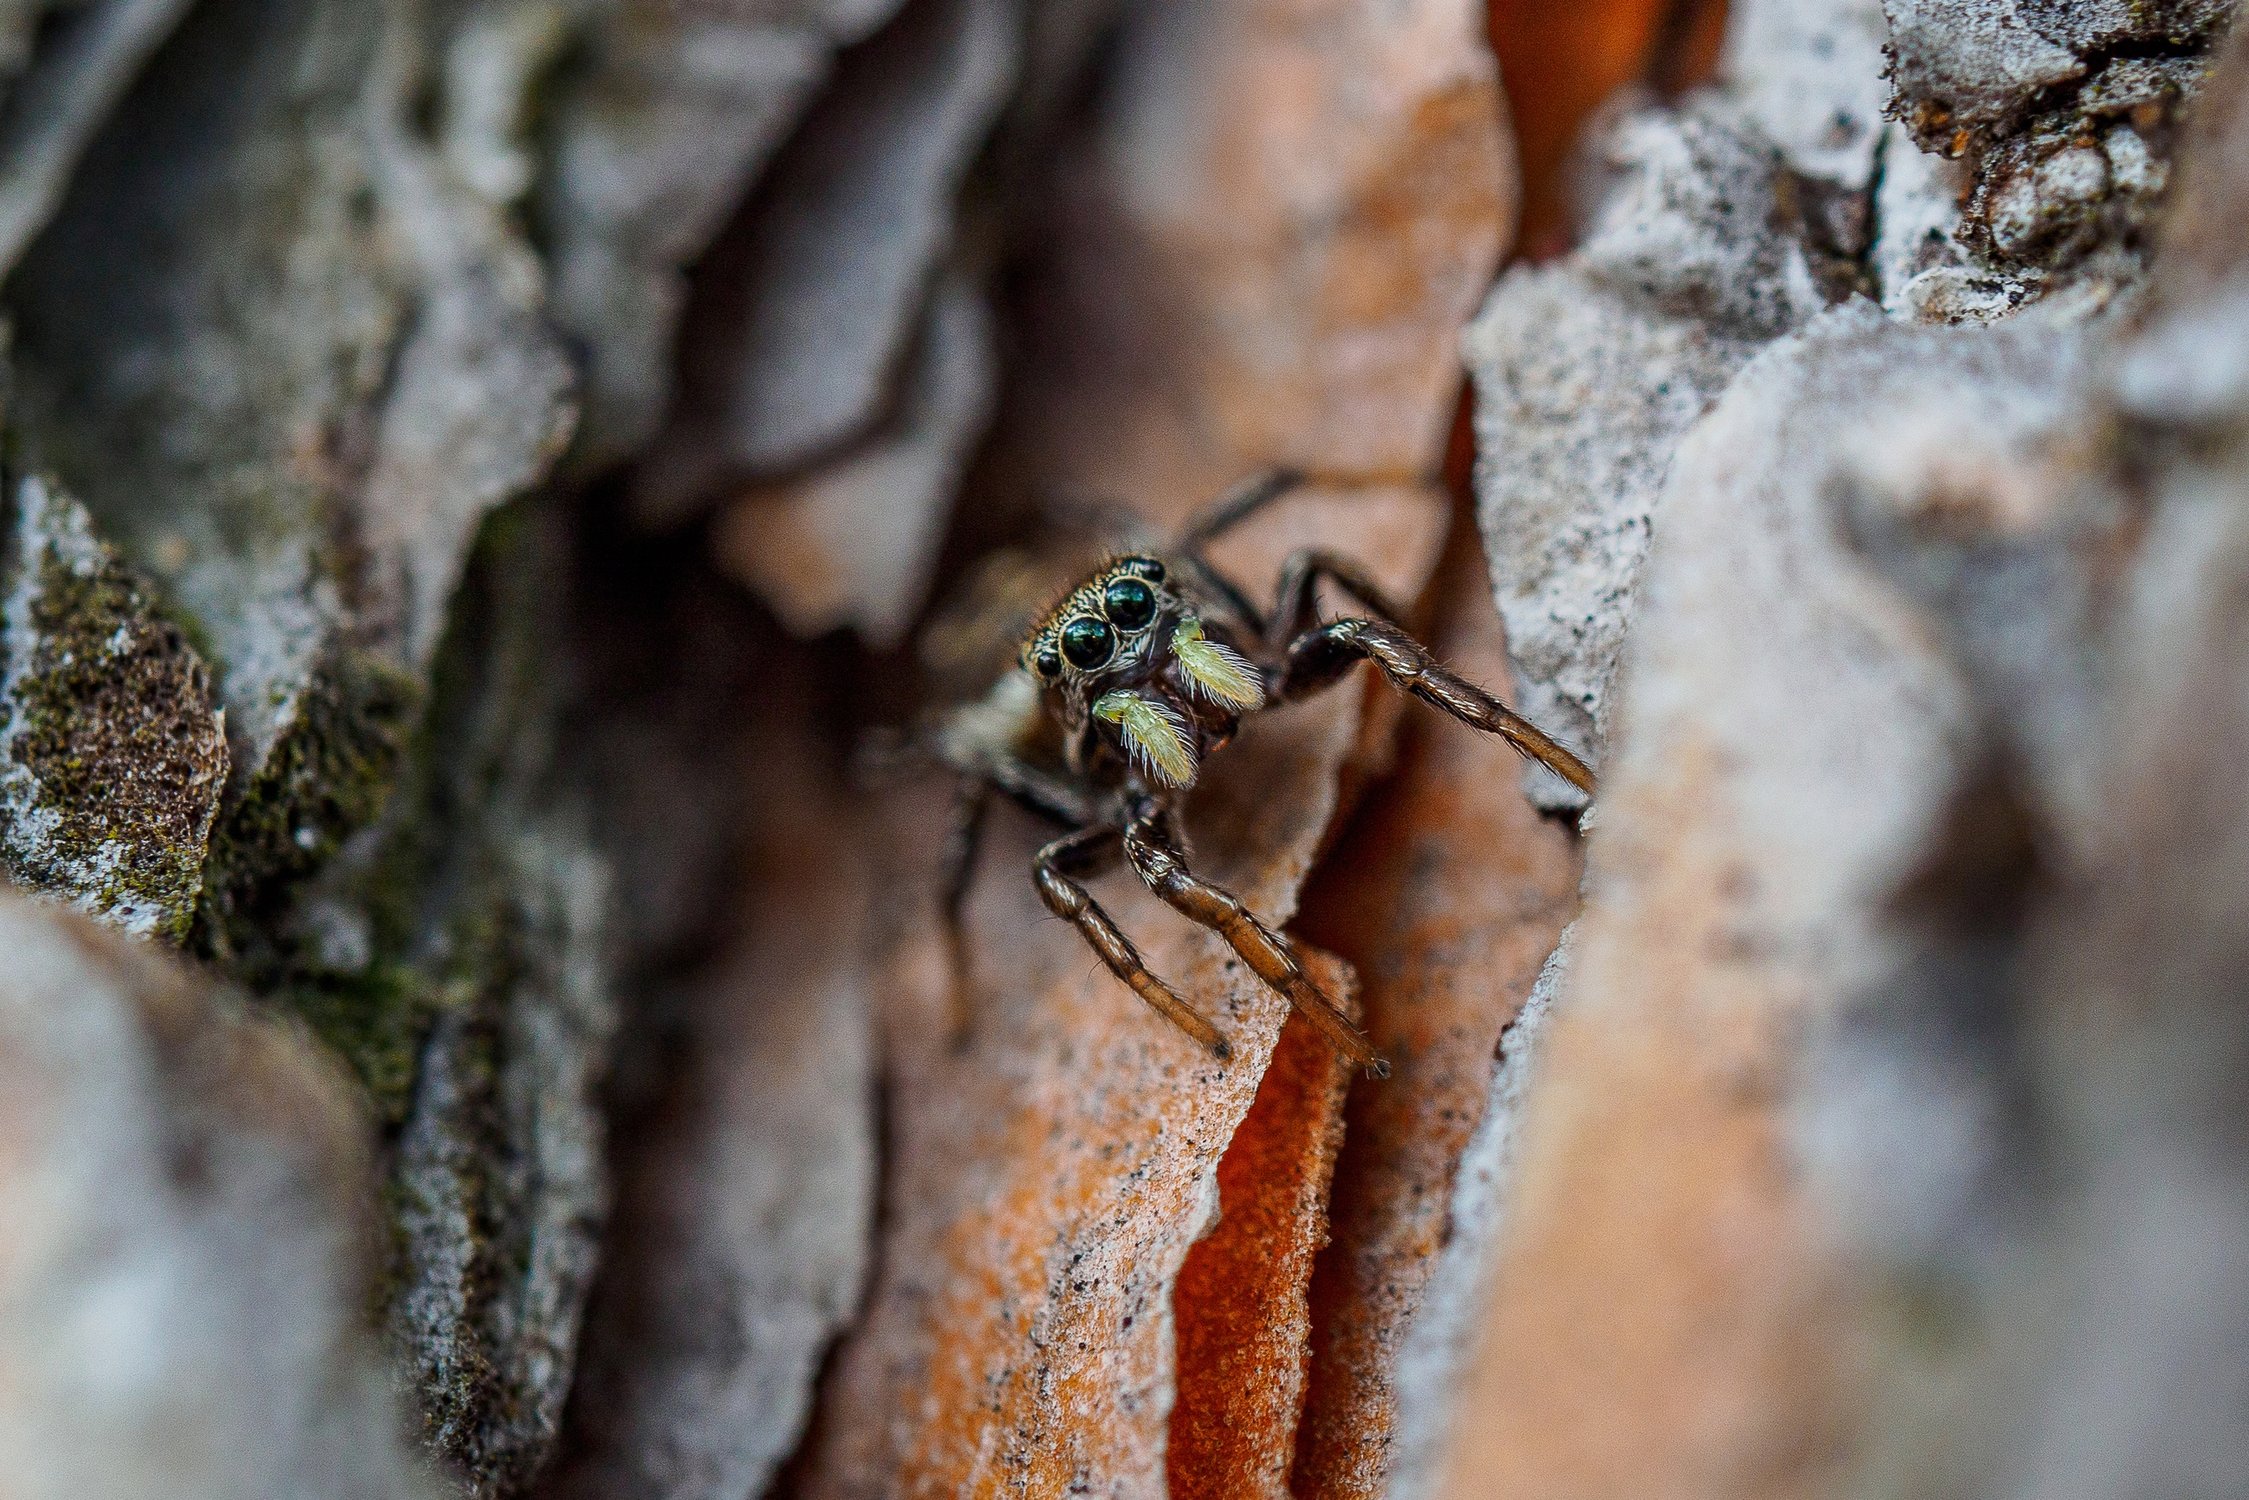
(487, 488)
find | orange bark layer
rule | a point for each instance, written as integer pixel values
(1242, 1306)
(1262, 253)
(1450, 891)
(1559, 63)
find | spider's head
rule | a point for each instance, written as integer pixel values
(1107, 632)
(1125, 649)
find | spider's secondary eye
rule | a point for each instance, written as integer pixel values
(1129, 602)
(1144, 567)
(1049, 664)
(1088, 642)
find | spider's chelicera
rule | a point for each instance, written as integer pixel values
(1146, 668)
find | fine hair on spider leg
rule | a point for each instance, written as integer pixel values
(1160, 865)
(1318, 659)
(1081, 853)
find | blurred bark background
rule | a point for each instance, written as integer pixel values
(481, 480)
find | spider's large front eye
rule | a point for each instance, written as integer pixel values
(1129, 602)
(1088, 642)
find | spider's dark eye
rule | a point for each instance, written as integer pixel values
(1048, 663)
(1128, 602)
(1088, 642)
(1144, 567)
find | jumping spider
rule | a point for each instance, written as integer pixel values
(1145, 668)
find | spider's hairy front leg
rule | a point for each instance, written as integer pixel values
(1296, 607)
(1057, 869)
(1319, 658)
(1156, 858)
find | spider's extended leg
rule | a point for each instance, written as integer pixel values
(1319, 658)
(1057, 869)
(1296, 603)
(1229, 592)
(1236, 506)
(957, 867)
(1159, 862)
(1223, 515)
(1039, 793)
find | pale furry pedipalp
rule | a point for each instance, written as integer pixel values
(1218, 672)
(1154, 735)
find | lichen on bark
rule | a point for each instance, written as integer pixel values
(293, 356)
(112, 753)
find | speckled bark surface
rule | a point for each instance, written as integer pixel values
(115, 754)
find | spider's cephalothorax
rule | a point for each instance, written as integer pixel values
(1136, 676)
(1146, 668)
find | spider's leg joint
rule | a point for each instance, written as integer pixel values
(1269, 955)
(1054, 870)
(1319, 658)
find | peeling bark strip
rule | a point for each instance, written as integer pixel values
(1259, 253)
(66, 65)
(853, 542)
(663, 116)
(796, 345)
